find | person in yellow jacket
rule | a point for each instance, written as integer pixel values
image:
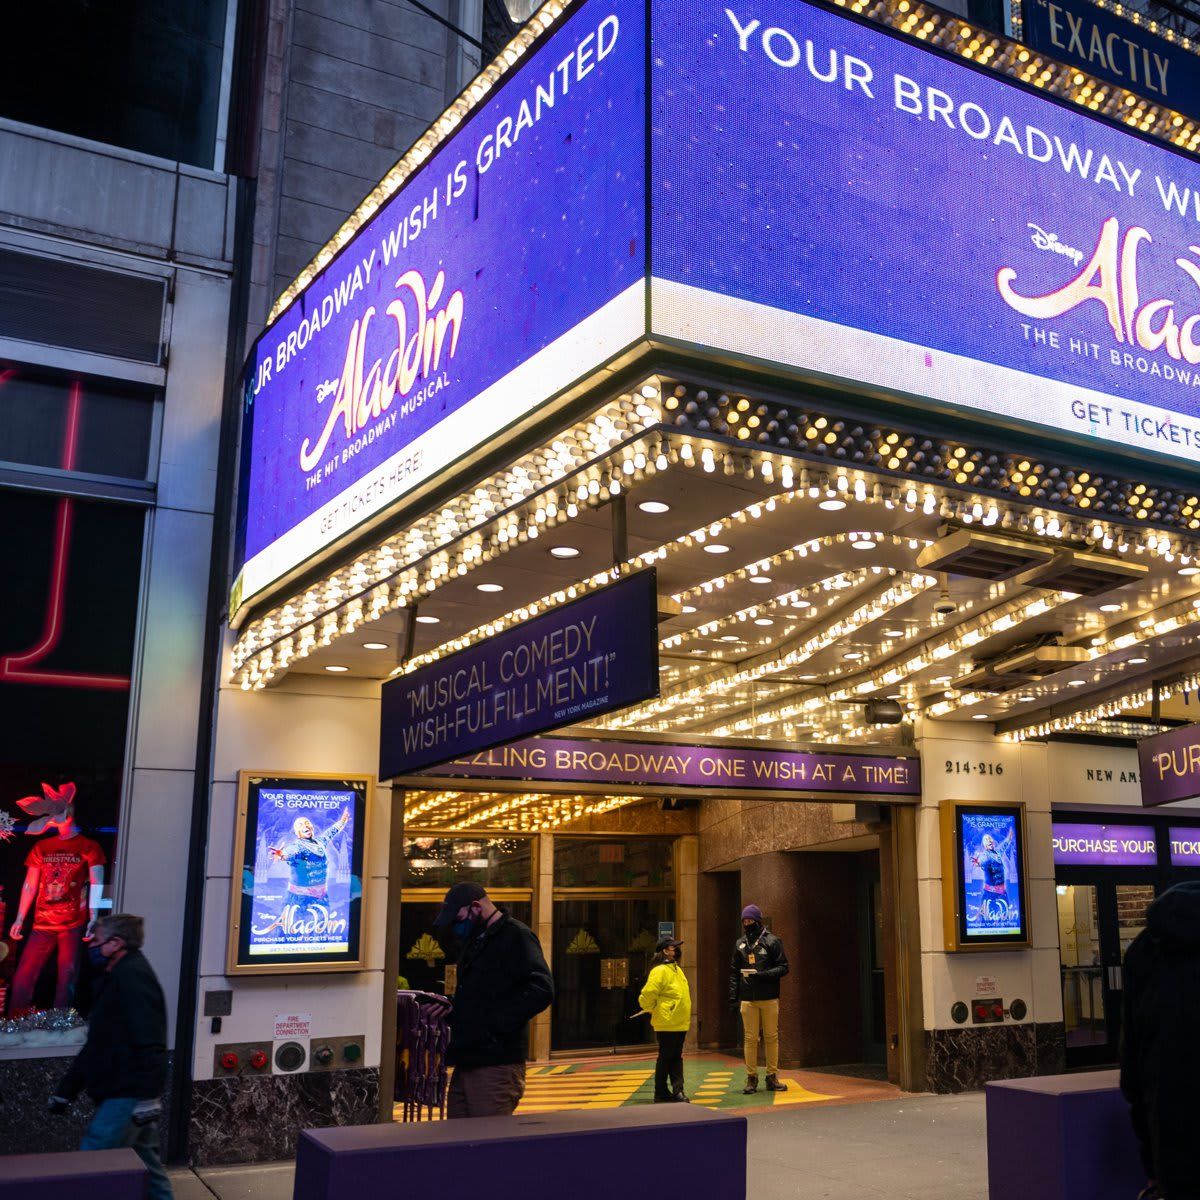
(668, 1000)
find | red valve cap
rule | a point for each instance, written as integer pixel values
(229, 1061)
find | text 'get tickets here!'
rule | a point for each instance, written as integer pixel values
(581, 659)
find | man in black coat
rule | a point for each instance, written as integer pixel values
(1160, 1040)
(758, 965)
(503, 983)
(123, 1063)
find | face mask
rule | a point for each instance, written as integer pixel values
(96, 958)
(465, 928)
(752, 931)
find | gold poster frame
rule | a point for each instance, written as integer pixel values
(952, 878)
(359, 962)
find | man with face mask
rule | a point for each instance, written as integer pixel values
(123, 1063)
(759, 963)
(503, 983)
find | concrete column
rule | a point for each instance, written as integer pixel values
(543, 926)
(687, 925)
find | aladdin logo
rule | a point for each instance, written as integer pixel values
(1111, 277)
(363, 394)
(1049, 241)
(317, 921)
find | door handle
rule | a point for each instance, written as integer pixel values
(1115, 979)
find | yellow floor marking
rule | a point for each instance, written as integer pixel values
(796, 1094)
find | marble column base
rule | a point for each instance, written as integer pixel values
(243, 1120)
(963, 1059)
(25, 1126)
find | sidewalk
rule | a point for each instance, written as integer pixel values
(913, 1148)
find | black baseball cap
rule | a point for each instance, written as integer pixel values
(460, 895)
(663, 943)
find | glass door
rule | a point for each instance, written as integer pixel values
(1096, 923)
(1081, 961)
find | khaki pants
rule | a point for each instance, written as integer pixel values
(485, 1091)
(764, 1014)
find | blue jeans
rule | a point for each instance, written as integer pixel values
(111, 1128)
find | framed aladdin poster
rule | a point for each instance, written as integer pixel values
(985, 900)
(298, 894)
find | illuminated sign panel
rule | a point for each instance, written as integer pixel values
(825, 197)
(832, 198)
(512, 261)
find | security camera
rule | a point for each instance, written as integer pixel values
(944, 606)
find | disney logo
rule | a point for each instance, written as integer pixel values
(1049, 241)
(1111, 278)
(326, 389)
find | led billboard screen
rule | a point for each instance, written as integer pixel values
(508, 264)
(836, 199)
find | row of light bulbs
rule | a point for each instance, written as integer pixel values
(530, 812)
(581, 468)
(294, 630)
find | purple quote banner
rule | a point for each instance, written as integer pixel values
(1104, 845)
(1170, 766)
(579, 660)
(725, 768)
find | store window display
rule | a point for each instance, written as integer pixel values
(69, 594)
(63, 885)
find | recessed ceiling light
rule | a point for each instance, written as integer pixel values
(1189, 570)
(1076, 682)
(760, 579)
(851, 655)
(893, 633)
(806, 678)
(763, 621)
(688, 608)
(654, 507)
(422, 619)
(832, 505)
(1137, 662)
(564, 552)
(715, 548)
(1110, 608)
(1024, 699)
(334, 668)
(375, 645)
(730, 637)
(941, 679)
(489, 587)
(863, 544)
(981, 717)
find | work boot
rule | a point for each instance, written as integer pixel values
(680, 1098)
(665, 1098)
(751, 1085)
(773, 1084)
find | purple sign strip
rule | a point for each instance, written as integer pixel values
(1104, 845)
(1185, 846)
(1170, 766)
(590, 656)
(723, 768)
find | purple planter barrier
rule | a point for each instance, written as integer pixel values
(96, 1175)
(592, 1155)
(1061, 1137)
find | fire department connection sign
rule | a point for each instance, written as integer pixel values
(824, 195)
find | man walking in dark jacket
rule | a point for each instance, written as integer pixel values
(1160, 1042)
(123, 1063)
(503, 983)
(758, 965)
